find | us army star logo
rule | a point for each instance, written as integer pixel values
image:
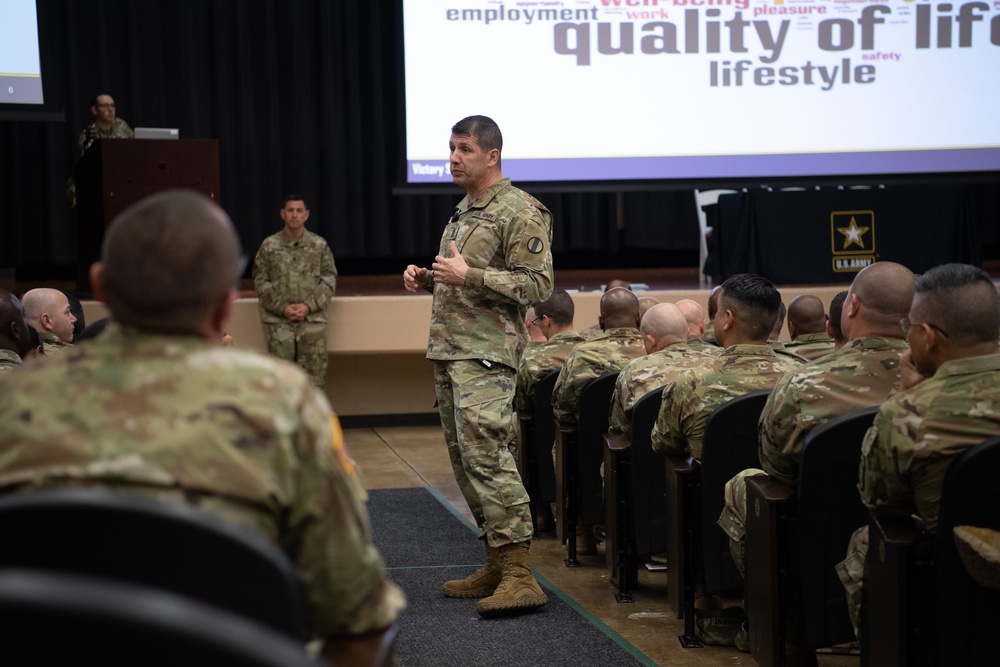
(853, 234)
(535, 245)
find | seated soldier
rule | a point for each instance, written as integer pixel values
(862, 374)
(48, 310)
(807, 328)
(695, 316)
(748, 307)
(949, 401)
(156, 406)
(619, 343)
(833, 328)
(554, 318)
(13, 332)
(664, 332)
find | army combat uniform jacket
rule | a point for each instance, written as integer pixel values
(537, 361)
(505, 237)
(696, 392)
(918, 432)
(243, 436)
(291, 270)
(645, 374)
(588, 361)
(862, 374)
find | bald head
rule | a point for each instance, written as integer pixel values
(806, 315)
(695, 316)
(169, 263)
(619, 309)
(48, 310)
(663, 324)
(645, 303)
(13, 328)
(878, 298)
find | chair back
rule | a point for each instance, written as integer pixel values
(730, 447)
(966, 614)
(51, 618)
(595, 405)
(545, 437)
(649, 484)
(829, 510)
(174, 547)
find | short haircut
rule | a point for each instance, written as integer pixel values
(961, 300)
(836, 310)
(169, 260)
(559, 308)
(481, 128)
(294, 197)
(756, 302)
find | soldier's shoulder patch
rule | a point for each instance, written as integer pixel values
(535, 245)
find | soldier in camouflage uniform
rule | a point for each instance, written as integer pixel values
(619, 343)
(13, 332)
(695, 316)
(949, 401)
(748, 307)
(495, 259)
(157, 406)
(48, 310)
(862, 374)
(295, 278)
(106, 125)
(664, 332)
(555, 320)
(807, 328)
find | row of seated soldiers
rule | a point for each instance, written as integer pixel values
(924, 348)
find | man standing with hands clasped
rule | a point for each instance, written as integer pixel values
(295, 278)
(494, 261)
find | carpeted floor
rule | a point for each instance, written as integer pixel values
(425, 543)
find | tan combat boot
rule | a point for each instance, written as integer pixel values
(518, 591)
(480, 583)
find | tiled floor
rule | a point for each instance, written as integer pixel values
(400, 457)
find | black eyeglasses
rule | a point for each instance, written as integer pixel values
(906, 325)
(538, 319)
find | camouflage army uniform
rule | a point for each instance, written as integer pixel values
(645, 374)
(291, 270)
(811, 346)
(696, 392)
(119, 130)
(537, 361)
(9, 359)
(52, 343)
(862, 374)
(476, 337)
(588, 361)
(699, 345)
(243, 436)
(916, 435)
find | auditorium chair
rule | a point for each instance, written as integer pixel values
(51, 618)
(634, 489)
(579, 454)
(795, 537)
(921, 606)
(124, 536)
(694, 502)
(534, 453)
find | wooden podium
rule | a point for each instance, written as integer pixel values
(115, 173)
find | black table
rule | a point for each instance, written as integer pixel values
(827, 236)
